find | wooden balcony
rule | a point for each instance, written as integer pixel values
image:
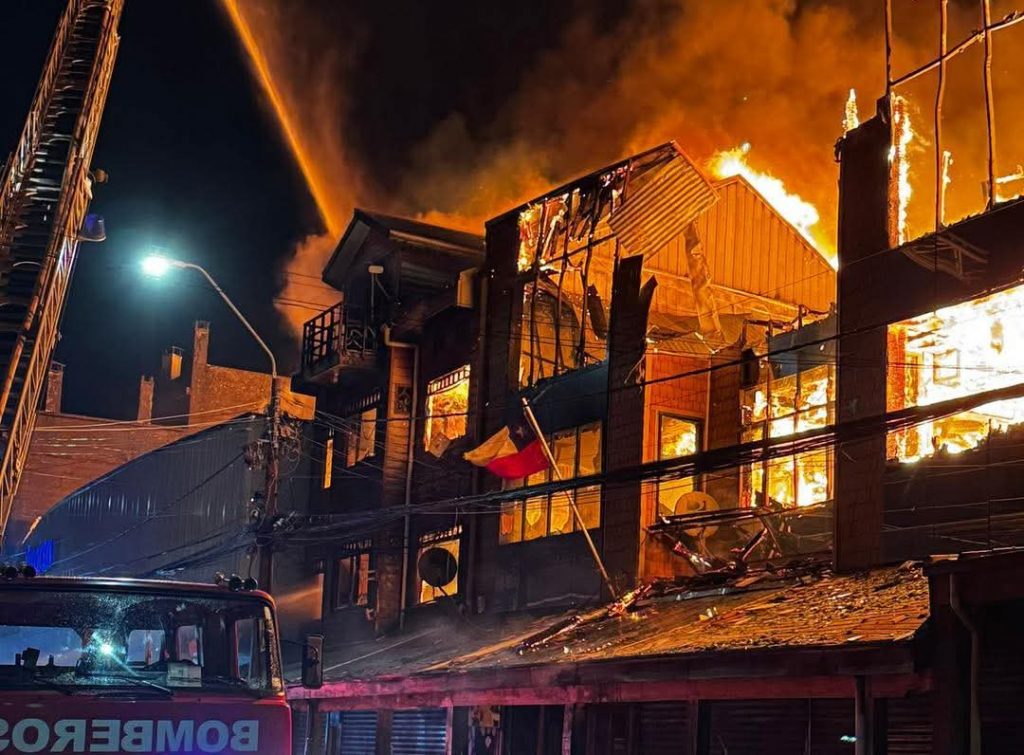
(339, 338)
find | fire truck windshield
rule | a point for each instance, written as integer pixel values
(74, 640)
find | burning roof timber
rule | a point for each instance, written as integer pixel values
(797, 610)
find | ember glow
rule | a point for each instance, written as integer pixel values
(954, 352)
(797, 211)
(851, 117)
(899, 161)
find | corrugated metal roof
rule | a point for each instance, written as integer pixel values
(751, 248)
(660, 205)
(886, 605)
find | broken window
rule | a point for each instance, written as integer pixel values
(952, 353)
(447, 409)
(677, 437)
(352, 580)
(447, 541)
(782, 406)
(359, 430)
(577, 453)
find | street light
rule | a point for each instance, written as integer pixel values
(158, 265)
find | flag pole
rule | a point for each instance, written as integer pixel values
(528, 411)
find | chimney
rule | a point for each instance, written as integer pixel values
(171, 363)
(864, 230)
(145, 413)
(200, 346)
(54, 388)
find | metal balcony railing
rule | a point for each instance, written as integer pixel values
(339, 336)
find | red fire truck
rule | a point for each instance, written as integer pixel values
(136, 666)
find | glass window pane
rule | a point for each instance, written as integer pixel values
(561, 514)
(511, 522)
(588, 501)
(678, 437)
(563, 448)
(590, 449)
(367, 434)
(536, 518)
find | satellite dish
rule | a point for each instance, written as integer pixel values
(437, 567)
(696, 502)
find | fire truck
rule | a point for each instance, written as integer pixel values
(137, 666)
(97, 665)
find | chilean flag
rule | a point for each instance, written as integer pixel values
(514, 451)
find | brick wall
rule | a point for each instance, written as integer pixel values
(624, 425)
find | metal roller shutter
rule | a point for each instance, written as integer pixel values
(418, 732)
(758, 727)
(358, 732)
(664, 728)
(832, 727)
(910, 726)
(300, 717)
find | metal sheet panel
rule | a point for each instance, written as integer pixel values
(181, 511)
(664, 728)
(661, 206)
(357, 732)
(751, 248)
(419, 732)
(910, 726)
(757, 727)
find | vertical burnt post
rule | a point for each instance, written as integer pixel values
(864, 223)
(495, 377)
(624, 426)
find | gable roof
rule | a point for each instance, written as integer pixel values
(371, 235)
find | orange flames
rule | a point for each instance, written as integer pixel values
(902, 136)
(800, 213)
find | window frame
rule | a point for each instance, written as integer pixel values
(440, 385)
(697, 481)
(359, 579)
(518, 508)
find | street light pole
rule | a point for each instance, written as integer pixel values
(157, 265)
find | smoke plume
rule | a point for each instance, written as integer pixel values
(711, 75)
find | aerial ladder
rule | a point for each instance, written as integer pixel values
(45, 189)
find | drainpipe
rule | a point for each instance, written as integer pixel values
(972, 629)
(407, 519)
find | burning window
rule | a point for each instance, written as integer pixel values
(360, 436)
(433, 563)
(677, 437)
(352, 580)
(577, 453)
(792, 403)
(951, 353)
(447, 409)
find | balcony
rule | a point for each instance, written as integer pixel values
(341, 337)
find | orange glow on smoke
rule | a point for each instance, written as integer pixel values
(261, 68)
(795, 209)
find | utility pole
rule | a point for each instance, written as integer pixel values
(156, 265)
(272, 480)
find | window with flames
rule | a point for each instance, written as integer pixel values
(447, 410)
(953, 353)
(783, 406)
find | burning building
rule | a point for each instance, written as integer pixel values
(655, 321)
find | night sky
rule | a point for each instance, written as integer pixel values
(196, 167)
